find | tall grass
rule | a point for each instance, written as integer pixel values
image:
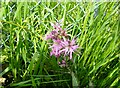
(25, 55)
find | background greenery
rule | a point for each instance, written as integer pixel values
(25, 56)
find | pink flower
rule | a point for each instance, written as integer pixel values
(56, 47)
(57, 33)
(52, 35)
(69, 47)
(63, 63)
(61, 45)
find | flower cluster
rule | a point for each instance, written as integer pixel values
(61, 44)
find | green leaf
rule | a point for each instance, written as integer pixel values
(74, 80)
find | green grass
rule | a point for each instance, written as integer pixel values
(25, 56)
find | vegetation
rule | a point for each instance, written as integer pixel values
(25, 56)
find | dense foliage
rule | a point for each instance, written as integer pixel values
(25, 56)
